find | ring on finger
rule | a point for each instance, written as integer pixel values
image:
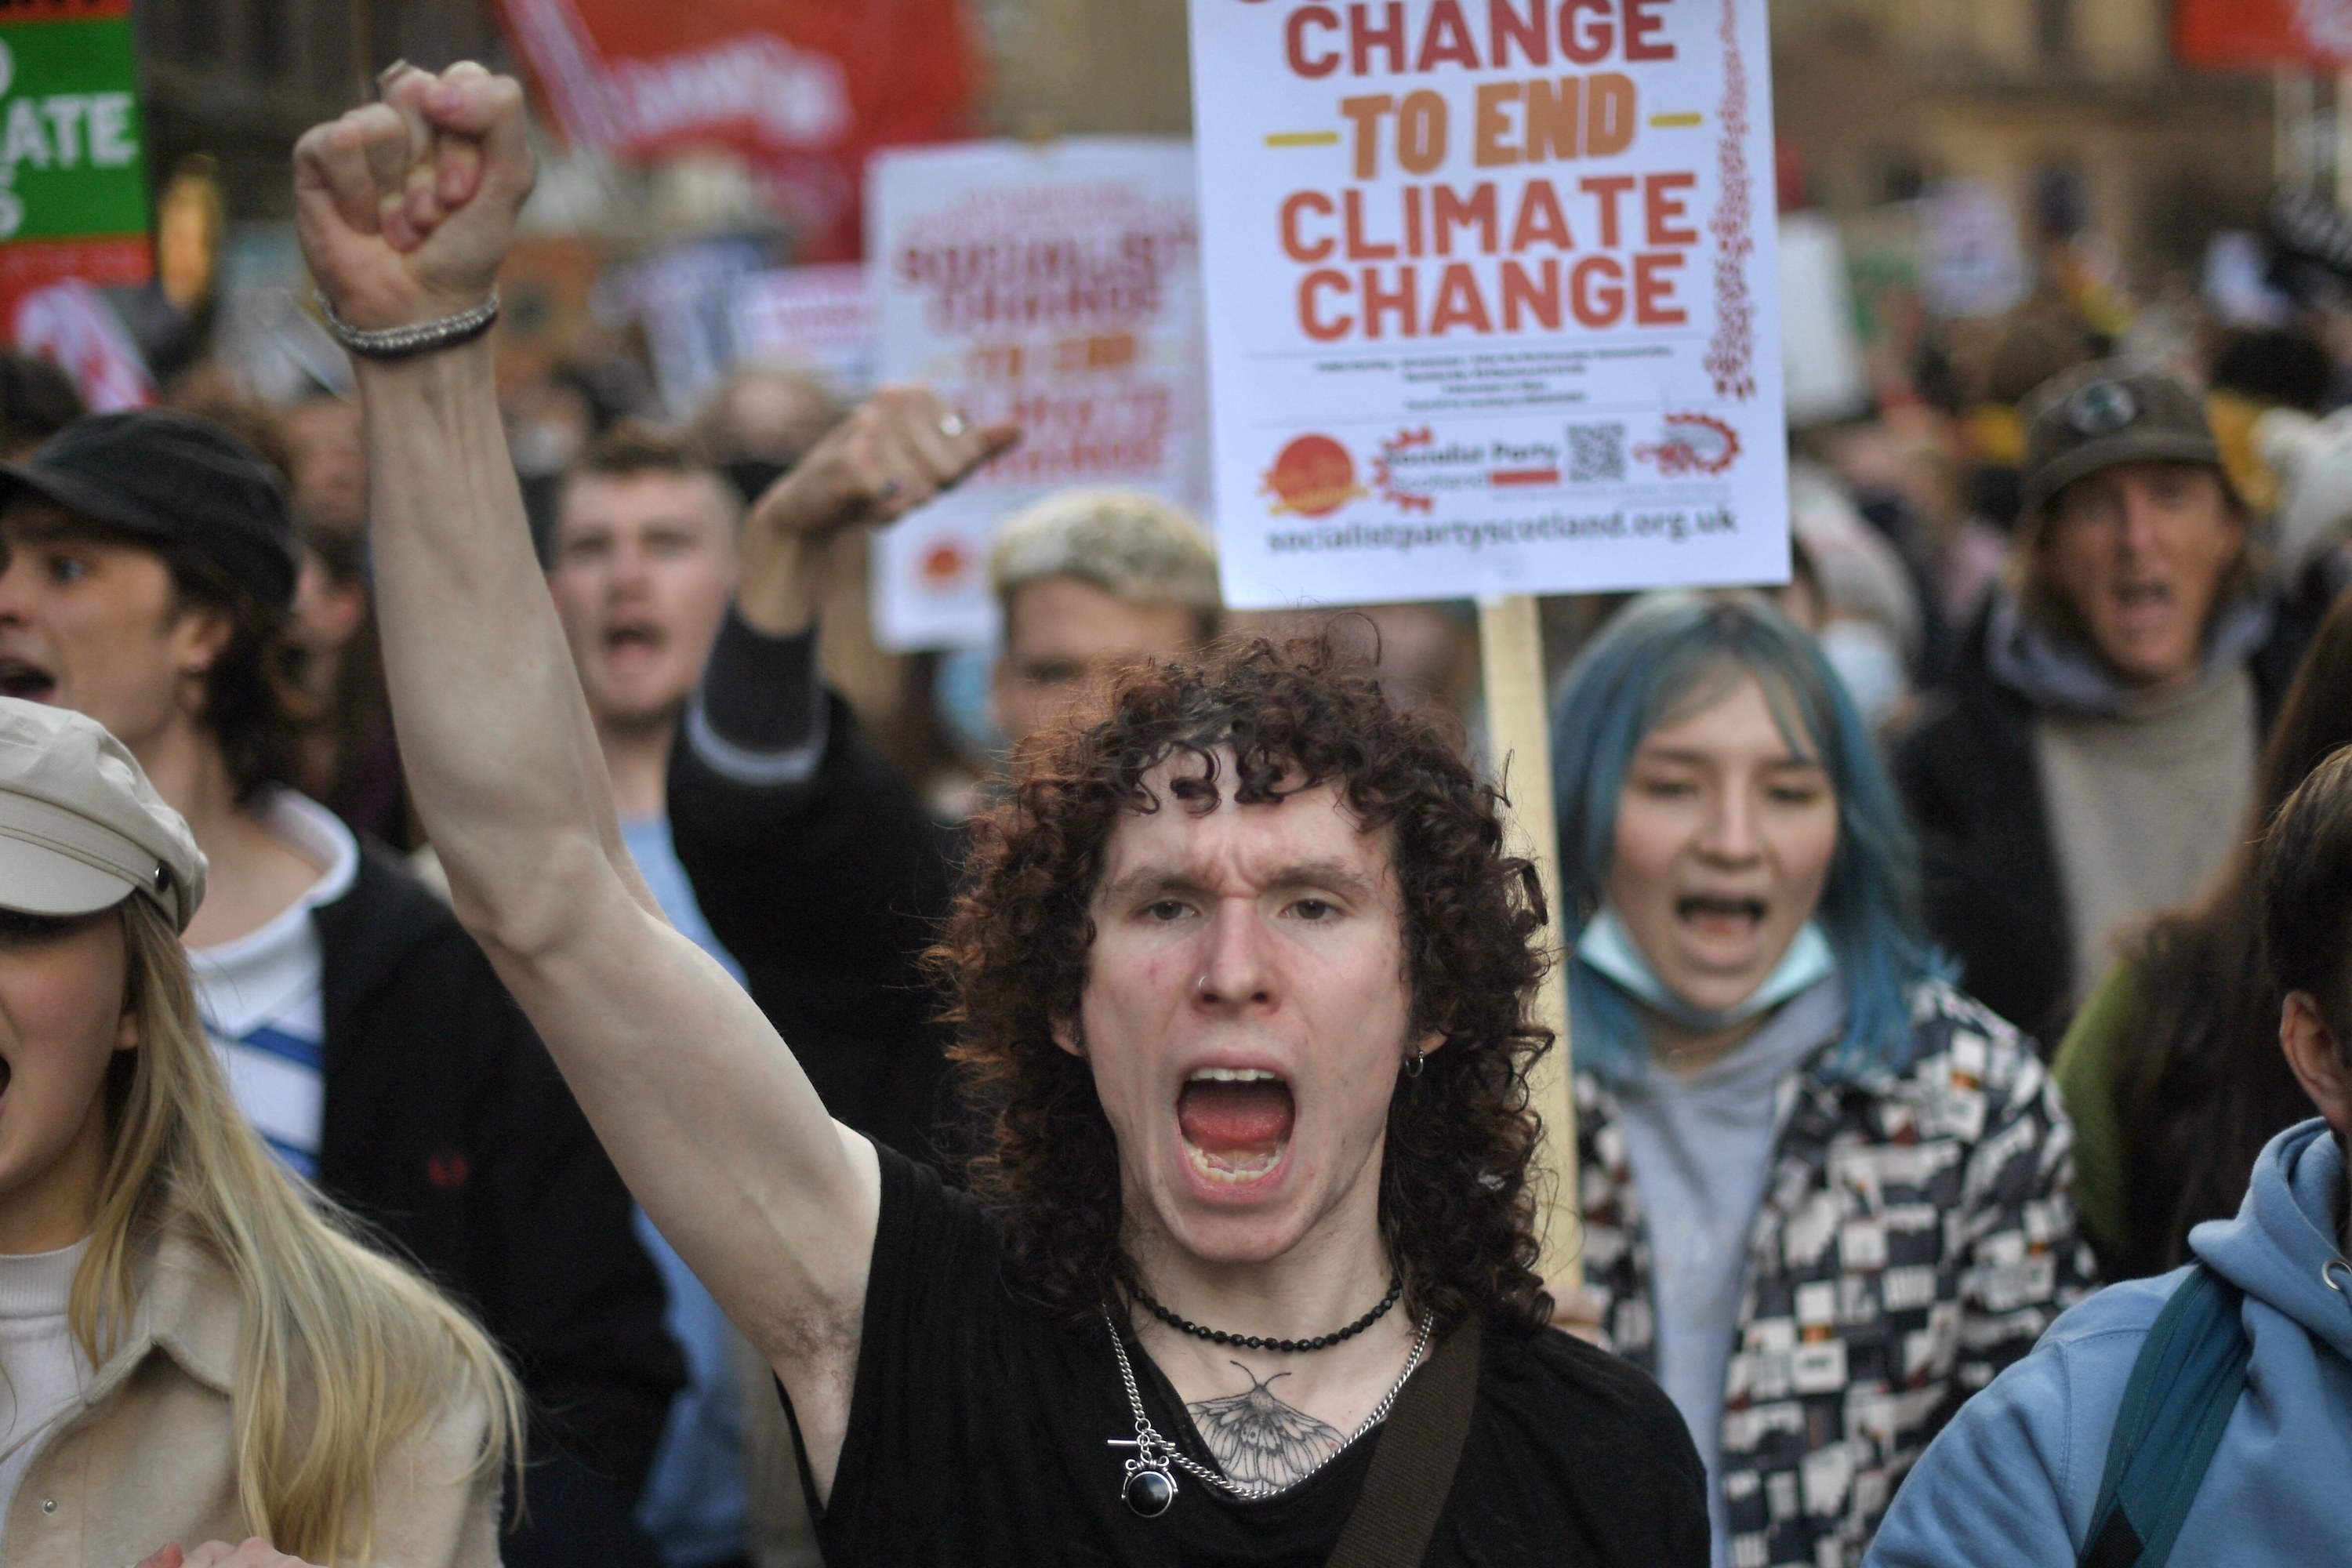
(954, 425)
(889, 490)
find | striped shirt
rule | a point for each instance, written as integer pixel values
(260, 993)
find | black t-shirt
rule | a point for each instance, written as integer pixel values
(980, 1427)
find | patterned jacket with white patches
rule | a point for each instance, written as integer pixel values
(1916, 1235)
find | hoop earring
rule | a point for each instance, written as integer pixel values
(1412, 1069)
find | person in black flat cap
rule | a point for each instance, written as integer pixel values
(2092, 758)
(147, 569)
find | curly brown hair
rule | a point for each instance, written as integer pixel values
(1458, 1211)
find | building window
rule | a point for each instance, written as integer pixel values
(200, 31)
(2061, 201)
(2054, 30)
(1901, 177)
(269, 33)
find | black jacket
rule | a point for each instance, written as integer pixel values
(1966, 771)
(446, 1126)
(827, 892)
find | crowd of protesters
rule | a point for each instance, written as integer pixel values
(1956, 966)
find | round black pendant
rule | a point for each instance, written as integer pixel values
(1149, 1492)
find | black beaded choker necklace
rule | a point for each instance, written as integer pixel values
(1257, 1342)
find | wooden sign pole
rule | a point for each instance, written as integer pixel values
(1510, 649)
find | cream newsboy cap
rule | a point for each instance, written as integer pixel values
(80, 827)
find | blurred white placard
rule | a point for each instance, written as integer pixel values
(1971, 263)
(1054, 285)
(683, 295)
(818, 318)
(2236, 282)
(1821, 354)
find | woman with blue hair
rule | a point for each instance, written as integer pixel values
(1825, 1195)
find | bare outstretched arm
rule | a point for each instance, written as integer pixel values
(406, 209)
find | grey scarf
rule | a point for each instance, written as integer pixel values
(2061, 675)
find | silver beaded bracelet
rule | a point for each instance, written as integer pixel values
(421, 337)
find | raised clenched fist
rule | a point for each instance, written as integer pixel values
(406, 207)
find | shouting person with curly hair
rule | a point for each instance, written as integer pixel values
(1241, 975)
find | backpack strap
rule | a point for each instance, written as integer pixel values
(2190, 1371)
(1412, 1470)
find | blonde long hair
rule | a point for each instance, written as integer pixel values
(344, 1353)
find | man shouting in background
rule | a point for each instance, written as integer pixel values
(1242, 973)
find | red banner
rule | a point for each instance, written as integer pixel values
(2228, 33)
(62, 10)
(804, 89)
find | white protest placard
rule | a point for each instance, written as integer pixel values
(1492, 305)
(1970, 262)
(819, 318)
(1056, 284)
(684, 297)
(1822, 366)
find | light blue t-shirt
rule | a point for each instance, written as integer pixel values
(695, 1504)
(1701, 1150)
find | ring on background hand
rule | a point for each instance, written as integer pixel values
(390, 74)
(952, 426)
(887, 490)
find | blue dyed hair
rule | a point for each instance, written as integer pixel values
(1664, 657)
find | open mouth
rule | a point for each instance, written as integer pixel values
(2140, 602)
(628, 641)
(1715, 916)
(21, 677)
(1236, 1122)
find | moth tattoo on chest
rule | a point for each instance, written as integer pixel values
(1259, 1440)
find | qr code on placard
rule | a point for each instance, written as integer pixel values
(1596, 454)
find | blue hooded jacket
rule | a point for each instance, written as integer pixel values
(2012, 1479)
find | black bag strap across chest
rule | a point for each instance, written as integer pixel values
(1412, 1470)
(2190, 1371)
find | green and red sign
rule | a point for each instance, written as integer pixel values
(73, 165)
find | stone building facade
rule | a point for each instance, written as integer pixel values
(2076, 108)
(242, 78)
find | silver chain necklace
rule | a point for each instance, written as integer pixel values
(1150, 1484)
